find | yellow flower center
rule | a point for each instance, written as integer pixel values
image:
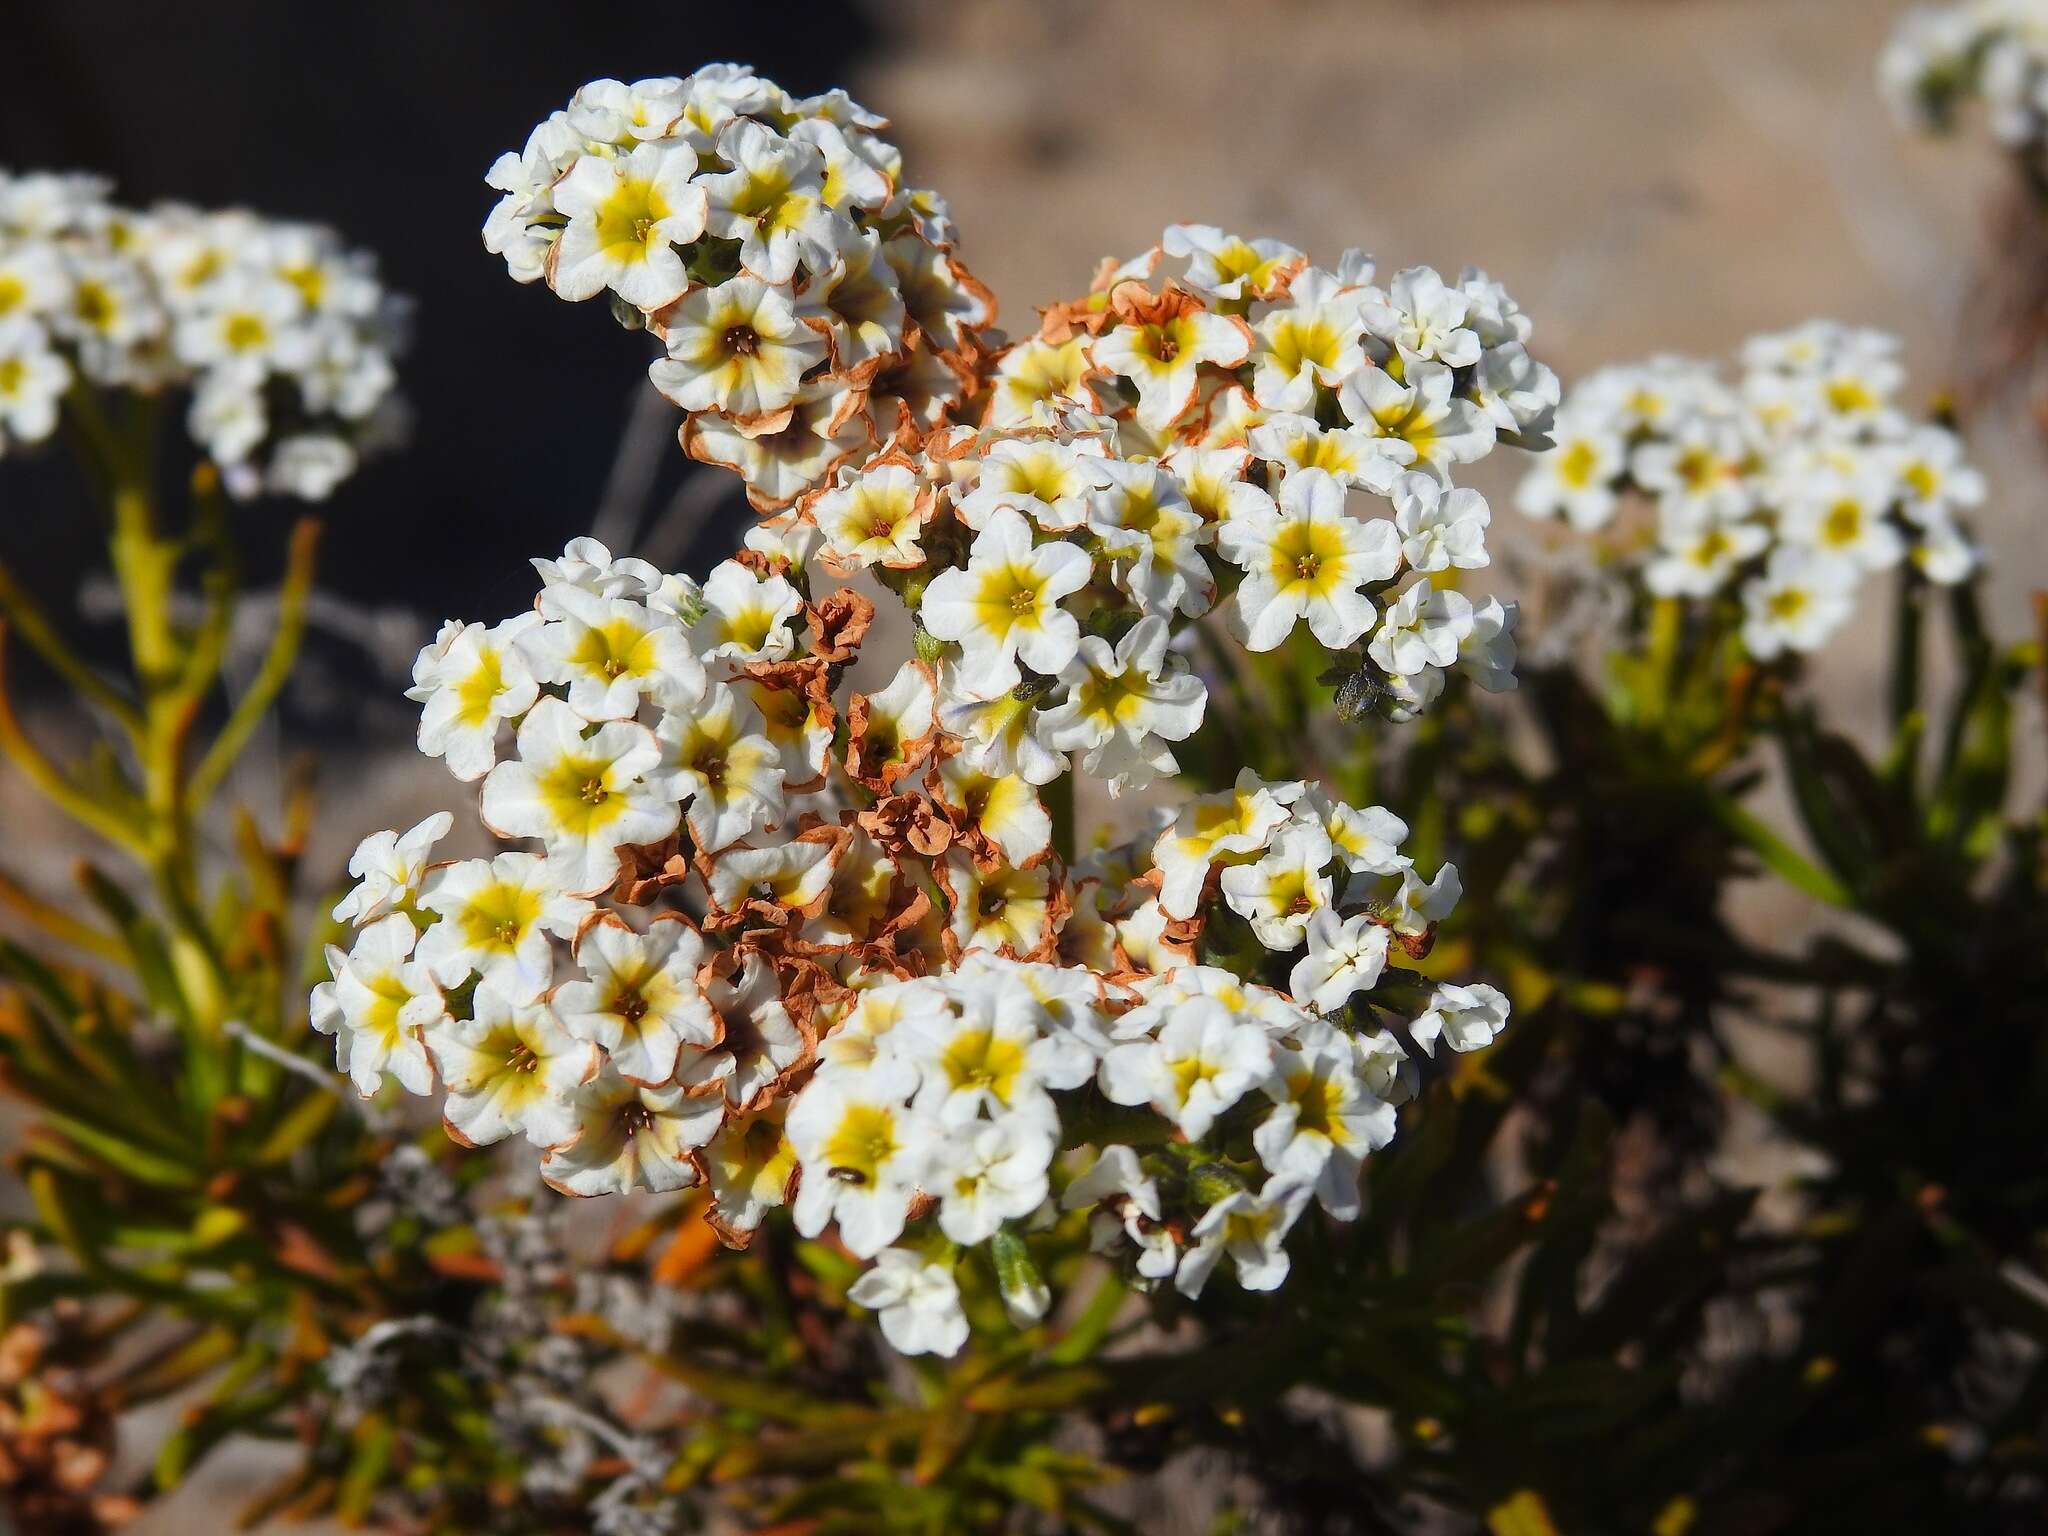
(862, 1144)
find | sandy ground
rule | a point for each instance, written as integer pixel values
(1646, 175)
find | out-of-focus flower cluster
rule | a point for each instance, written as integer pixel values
(810, 304)
(1994, 50)
(793, 923)
(284, 336)
(1778, 493)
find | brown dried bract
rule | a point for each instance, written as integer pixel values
(838, 624)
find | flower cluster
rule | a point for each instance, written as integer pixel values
(1778, 493)
(1996, 50)
(810, 304)
(284, 337)
(801, 943)
(793, 923)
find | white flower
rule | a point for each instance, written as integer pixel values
(1311, 339)
(745, 617)
(611, 652)
(1440, 528)
(1932, 477)
(470, 679)
(1235, 821)
(1696, 471)
(859, 301)
(1487, 653)
(1517, 394)
(584, 797)
(1345, 956)
(861, 1155)
(715, 756)
(1154, 538)
(33, 379)
(1367, 840)
(737, 348)
(1800, 599)
(1422, 628)
(1006, 810)
(1222, 266)
(1697, 559)
(589, 566)
(918, 1303)
(639, 996)
(1420, 903)
(629, 1137)
(388, 867)
(1203, 1060)
(612, 112)
(996, 909)
(986, 1173)
(773, 202)
(1036, 373)
(380, 999)
(1465, 1017)
(750, 1167)
(1000, 736)
(627, 214)
(759, 1042)
(1252, 1229)
(1124, 705)
(1162, 357)
(1424, 319)
(991, 1054)
(1841, 516)
(510, 1067)
(1418, 415)
(496, 916)
(1005, 606)
(1279, 892)
(1048, 481)
(875, 517)
(1576, 479)
(308, 465)
(1324, 1123)
(1307, 558)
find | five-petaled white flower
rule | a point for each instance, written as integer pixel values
(583, 796)
(627, 215)
(1004, 606)
(1308, 558)
(737, 347)
(509, 1068)
(638, 995)
(917, 1301)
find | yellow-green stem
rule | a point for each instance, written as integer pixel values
(145, 565)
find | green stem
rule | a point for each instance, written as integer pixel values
(277, 665)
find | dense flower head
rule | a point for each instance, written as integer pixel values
(790, 916)
(283, 336)
(1778, 492)
(809, 302)
(1996, 51)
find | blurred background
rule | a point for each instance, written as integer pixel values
(1645, 175)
